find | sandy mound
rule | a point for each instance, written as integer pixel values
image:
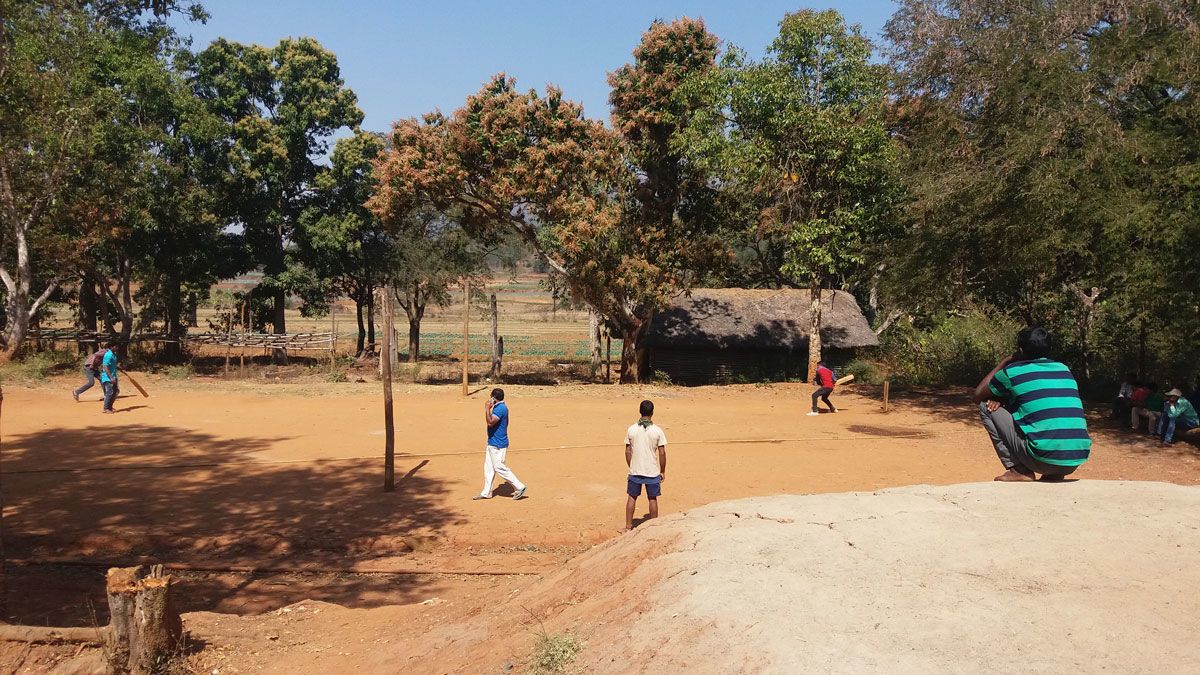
(979, 577)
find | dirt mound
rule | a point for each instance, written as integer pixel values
(977, 577)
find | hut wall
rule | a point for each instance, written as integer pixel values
(727, 366)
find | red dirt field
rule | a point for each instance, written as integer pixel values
(264, 495)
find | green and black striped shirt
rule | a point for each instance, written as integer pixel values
(1044, 398)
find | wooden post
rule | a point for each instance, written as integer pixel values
(242, 349)
(495, 372)
(332, 336)
(228, 344)
(886, 386)
(466, 333)
(385, 364)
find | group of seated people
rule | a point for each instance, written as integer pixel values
(1166, 413)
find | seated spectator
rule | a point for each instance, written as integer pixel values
(1124, 403)
(1152, 408)
(1178, 416)
(1137, 403)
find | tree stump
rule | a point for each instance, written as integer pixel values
(145, 628)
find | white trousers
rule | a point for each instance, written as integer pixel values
(493, 465)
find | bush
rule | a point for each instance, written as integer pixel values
(338, 376)
(37, 366)
(553, 653)
(180, 372)
(863, 371)
(953, 349)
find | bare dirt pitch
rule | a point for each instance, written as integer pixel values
(285, 480)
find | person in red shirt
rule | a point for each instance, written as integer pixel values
(825, 382)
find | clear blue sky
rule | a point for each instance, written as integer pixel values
(405, 57)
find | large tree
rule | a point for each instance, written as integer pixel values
(284, 104)
(1049, 162)
(799, 139)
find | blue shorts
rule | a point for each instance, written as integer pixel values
(653, 486)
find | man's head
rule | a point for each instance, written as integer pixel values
(1034, 343)
(822, 364)
(1173, 395)
(498, 394)
(646, 408)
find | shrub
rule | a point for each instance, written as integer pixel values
(952, 349)
(863, 371)
(180, 372)
(553, 653)
(37, 366)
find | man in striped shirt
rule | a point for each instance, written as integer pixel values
(1030, 407)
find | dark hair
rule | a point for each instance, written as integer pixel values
(1034, 342)
(498, 394)
(1153, 386)
(646, 408)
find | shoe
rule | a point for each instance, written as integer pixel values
(520, 494)
(75, 395)
(108, 412)
(477, 497)
(813, 414)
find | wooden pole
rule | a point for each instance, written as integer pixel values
(385, 363)
(332, 336)
(242, 349)
(466, 333)
(886, 386)
(608, 358)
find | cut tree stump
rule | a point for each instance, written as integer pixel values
(145, 630)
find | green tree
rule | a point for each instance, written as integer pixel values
(339, 238)
(800, 140)
(284, 104)
(1049, 163)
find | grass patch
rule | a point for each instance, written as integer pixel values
(553, 653)
(37, 366)
(180, 372)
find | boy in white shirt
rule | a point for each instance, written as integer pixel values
(646, 456)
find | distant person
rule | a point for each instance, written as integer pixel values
(108, 379)
(495, 415)
(1124, 402)
(1149, 406)
(1031, 409)
(1178, 415)
(825, 384)
(646, 457)
(91, 369)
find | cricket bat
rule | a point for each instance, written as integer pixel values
(143, 391)
(841, 380)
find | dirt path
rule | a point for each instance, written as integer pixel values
(288, 478)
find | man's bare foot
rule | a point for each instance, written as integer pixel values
(627, 528)
(1052, 478)
(1016, 475)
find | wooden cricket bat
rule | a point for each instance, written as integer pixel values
(841, 380)
(143, 391)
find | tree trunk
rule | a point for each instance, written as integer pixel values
(88, 310)
(371, 322)
(633, 355)
(362, 328)
(594, 340)
(814, 329)
(145, 630)
(496, 354)
(174, 317)
(20, 308)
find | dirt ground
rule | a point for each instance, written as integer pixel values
(271, 494)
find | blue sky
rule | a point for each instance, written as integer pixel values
(405, 58)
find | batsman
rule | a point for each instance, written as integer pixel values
(825, 384)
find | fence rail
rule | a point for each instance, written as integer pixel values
(290, 342)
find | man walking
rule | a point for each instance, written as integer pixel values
(1030, 407)
(108, 379)
(495, 414)
(91, 370)
(825, 383)
(646, 457)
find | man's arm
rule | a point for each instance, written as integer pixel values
(662, 461)
(628, 454)
(488, 418)
(983, 390)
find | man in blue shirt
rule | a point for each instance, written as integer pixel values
(495, 414)
(108, 379)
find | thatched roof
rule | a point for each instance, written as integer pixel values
(742, 318)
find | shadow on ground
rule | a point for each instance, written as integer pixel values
(176, 495)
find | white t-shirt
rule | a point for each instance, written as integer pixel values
(645, 442)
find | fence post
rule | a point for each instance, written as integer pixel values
(385, 364)
(466, 333)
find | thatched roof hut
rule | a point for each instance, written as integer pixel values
(719, 334)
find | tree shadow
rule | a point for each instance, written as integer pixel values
(174, 494)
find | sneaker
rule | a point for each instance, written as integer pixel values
(520, 494)
(75, 395)
(833, 410)
(813, 414)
